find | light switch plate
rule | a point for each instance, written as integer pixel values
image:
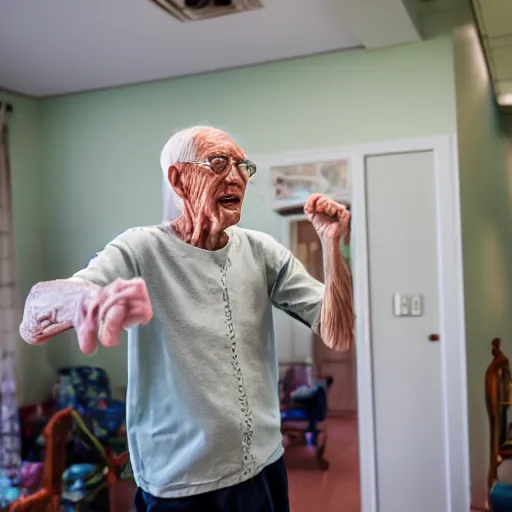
(397, 309)
(416, 305)
(401, 304)
(406, 305)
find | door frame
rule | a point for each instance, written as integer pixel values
(451, 301)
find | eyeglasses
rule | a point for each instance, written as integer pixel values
(219, 164)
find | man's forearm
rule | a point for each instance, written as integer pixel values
(337, 315)
(51, 308)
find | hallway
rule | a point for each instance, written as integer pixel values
(312, 490)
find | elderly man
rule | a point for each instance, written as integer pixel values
(196, 294)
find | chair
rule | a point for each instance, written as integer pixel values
(111, 464)
(87, 390)
(497, 398)
(56, 435)
(302, 412)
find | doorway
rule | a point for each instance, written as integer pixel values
(341, 366)
(339, 487)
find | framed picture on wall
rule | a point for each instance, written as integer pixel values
(293, 184)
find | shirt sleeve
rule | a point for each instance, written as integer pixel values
(116, 261)
(292, 289)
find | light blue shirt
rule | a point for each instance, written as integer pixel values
(202, 399)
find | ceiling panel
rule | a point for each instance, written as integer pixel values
(494, 21)
(497, 16)
(502, 63)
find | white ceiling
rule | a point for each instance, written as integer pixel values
(494, 20)
(51, 47)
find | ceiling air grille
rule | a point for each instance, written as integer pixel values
(196, 10)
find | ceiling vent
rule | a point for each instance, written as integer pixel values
(196, 10)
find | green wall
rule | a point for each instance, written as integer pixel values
(485, 163)
(101, 150)
(34, 374)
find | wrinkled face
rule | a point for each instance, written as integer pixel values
(213, 189)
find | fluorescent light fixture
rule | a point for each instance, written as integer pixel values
(505, 100)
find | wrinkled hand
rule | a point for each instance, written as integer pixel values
(111, 309)
(329, 218)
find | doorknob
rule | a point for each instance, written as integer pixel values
(434, 337)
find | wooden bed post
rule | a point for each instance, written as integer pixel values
(497, 399)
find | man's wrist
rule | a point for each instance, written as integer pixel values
(331, 242)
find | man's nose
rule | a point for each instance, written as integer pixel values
(233, 175)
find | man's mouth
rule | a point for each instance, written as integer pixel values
(229, 201)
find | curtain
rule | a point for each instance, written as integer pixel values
(10, 445)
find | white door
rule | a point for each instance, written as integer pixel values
(402, 256)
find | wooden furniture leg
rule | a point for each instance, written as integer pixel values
(47, 499)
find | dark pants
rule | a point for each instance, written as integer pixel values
(266, 492)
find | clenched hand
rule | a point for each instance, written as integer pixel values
(111, 309)
(329, 218)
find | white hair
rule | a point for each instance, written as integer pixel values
(179, 148)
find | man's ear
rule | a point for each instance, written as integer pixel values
(174, 177)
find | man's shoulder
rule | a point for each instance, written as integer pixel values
(255, 237)
(134, 238)
(261, 241)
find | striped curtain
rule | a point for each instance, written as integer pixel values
(10, 444)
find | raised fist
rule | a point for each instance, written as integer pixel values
(329, 218)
